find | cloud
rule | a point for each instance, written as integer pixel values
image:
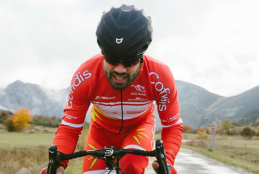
(213, 44)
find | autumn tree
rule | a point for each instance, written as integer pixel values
(226, 125)
(187, 129)
(19, 120)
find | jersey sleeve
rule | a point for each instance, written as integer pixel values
(74, 114)
(165, 94)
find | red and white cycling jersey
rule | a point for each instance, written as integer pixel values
(118, 110)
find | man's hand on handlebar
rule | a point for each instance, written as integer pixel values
(60, 170)
(155, 166)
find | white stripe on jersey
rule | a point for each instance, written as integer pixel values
(129, 111)
(119, 103)
(72, 125)
(178, 122)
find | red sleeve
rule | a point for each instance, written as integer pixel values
(164, 88)
(74, 114)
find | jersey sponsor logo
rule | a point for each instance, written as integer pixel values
(80, 78)
(170, 119)
(173, 118)
(138, 93)
(104, 98)
(138, 99)
(69, 117)
(139, 88)
(163, 92)
(119, 41)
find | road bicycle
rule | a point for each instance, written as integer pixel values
(109, 155)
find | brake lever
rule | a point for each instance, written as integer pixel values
(53, 159)
(161, 157)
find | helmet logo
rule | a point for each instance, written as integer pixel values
(119, 41)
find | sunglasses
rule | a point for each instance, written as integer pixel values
(127, 63)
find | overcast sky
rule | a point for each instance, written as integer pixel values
(210, 43)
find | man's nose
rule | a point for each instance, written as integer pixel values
(120, 69)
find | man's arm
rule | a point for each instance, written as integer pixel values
(74, 114)
(163, 86)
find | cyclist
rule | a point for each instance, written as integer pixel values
(122, 83)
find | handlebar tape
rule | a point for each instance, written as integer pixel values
(103, 152)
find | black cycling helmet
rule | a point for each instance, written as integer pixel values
(124, 32)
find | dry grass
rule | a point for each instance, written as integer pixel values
(19, 139)
(30, 150)
(229, 149)
(13, 159)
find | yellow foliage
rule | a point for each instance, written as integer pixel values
(202, 134)
(19, 120)
(257, 133)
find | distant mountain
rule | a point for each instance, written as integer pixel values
(232, 108)
(199, 107)
(249, 117)
(38, 100)
(194, 101)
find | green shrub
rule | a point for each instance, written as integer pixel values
(247, 132)
(46, 121)
(202, 134)
(9, 125)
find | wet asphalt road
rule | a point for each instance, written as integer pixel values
(189, 162)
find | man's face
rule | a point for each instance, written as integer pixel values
(119, 77)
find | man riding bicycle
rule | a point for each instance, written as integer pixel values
(122, 83)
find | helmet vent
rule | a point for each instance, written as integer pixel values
(126, 7)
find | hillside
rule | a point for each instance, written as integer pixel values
(33, 97)
(198, 106)
(194, 101)
(249, 117)
(232, 108)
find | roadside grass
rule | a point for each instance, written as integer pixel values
(13, 159)
(75, 166)
(19, 139)
(228, 149)
(30, 151)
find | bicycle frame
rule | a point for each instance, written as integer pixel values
(109, 154)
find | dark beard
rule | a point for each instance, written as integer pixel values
(120, 86)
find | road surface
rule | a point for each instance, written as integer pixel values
(189, 162)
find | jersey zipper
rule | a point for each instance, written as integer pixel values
(121, 114)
